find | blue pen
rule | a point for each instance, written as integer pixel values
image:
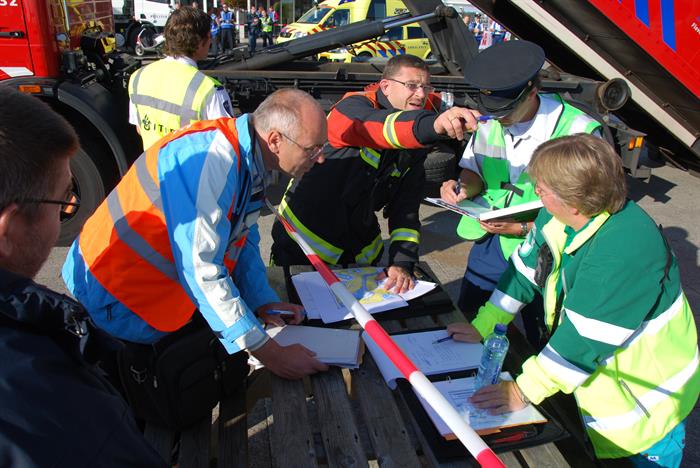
(484, 118)
(282, 312)
(458, 185)
(442, 340)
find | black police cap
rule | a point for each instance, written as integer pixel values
(502, 73)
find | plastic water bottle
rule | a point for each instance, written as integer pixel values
(495, 349)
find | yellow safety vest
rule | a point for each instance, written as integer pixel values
(168, 95)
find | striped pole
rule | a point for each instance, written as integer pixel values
(470, 439)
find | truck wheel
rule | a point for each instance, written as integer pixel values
(439, 166)
(88, 186)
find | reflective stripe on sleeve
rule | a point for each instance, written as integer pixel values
(370, 252)
(559, 367)
(523, 269)
(506, 302)
(389, 131)
(408, 235)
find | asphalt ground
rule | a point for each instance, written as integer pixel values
(670, 196)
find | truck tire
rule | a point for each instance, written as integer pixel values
(88, 186)
(439, 166)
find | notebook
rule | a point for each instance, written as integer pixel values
(482, 212)
(335, 347)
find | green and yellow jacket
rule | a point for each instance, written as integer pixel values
(623, 339)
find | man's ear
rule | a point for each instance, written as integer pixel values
(9, 217)
(274, 140)
(384, 85)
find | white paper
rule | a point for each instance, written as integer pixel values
(320, 302)
(332, 346)
(458, 391)
(478, 209)
(428, 356)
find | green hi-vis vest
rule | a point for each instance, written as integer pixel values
(637, 379)
(266, 23)
(168, 95)
(490, 151)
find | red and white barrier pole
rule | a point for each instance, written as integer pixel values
(470, 439)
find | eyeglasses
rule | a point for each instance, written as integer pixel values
(413, 87)
(68, 206)
(312, 151)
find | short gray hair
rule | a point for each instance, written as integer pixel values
(281, 111)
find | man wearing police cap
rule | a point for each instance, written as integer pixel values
(495, 159)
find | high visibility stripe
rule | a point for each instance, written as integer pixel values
(328, 252)
(150, 187)
(653, 326)
(598, 330)
(408, 235)
(650, 399)
(133, 86)
(164, 106)
(395, 172)
(523, 269)
(559, 367)
(506, 302)
(370, 156)
(135, 242)
(368, 254)
(390, 131)
(191, 93)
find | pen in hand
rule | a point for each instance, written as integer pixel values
(283, 312)
(442, 340)
(458, 186)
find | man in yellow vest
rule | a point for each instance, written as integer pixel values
(171, 93)
(495, 159)
(622, 337)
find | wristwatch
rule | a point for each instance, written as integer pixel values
(523, 229)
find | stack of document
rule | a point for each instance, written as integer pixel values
(426, 353)
(320, 302)
(458, 392)
(335, 347)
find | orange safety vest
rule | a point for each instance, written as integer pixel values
(126, 246)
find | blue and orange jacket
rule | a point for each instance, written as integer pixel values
(179, 233)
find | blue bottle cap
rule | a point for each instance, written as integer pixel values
(500, 328)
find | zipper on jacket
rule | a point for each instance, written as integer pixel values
(636, 400)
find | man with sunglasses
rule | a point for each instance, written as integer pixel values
(498, 153)
(378, 141)
(178, 236)
(56, 408)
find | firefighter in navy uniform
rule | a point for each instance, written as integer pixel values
(378, 141)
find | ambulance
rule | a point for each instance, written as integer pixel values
(408, 39)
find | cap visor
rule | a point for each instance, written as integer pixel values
(494, 105)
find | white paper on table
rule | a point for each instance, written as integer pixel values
(458, 391)
(320, 302)
(333, 346)
(430, 357)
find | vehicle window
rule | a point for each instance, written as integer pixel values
(394, 34)
(415, 32)
(338, 18)
(377, 10)
(314, 15)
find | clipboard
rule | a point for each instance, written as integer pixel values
(515, 438)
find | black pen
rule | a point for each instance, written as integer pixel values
(442, 340)
(458, 186)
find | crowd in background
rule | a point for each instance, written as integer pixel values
(260, 23)
(486, 31)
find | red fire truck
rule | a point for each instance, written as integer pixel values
(634, 63)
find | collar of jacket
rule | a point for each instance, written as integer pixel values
(26, 302)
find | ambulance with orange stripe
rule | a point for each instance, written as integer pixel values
(329, 14)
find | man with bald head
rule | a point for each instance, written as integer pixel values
(178, 237)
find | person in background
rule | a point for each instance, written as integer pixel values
(227, 21)
(195, 5)
(253, 29)
(622, 337)
(265, 28)
(158, 106)
(56, 408)
(378, 141)
(190, 245)
(272, 13)
(495, 161)
(215, 30)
